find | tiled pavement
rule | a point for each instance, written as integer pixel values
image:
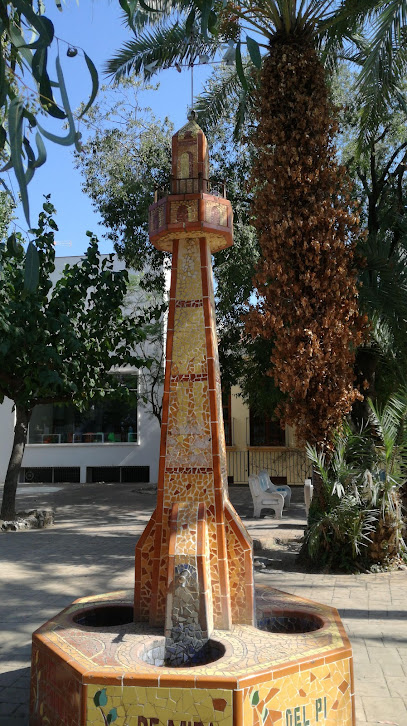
(91, 550)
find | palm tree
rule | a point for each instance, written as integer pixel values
(306, 279)
(379, 174)
(383, 57)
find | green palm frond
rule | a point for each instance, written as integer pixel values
(224, 96)
(385, 64)
(153, 11)
(383, 288)
(288, 18)
(352, 13)
(389, 423)
(381, 335)
(164, 37)
(319, 461)
(159, 48)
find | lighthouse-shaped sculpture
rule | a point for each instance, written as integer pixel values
(194, 561)
(187, 651)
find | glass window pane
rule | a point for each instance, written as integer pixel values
(111, 419)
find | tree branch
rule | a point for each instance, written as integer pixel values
(363, 179)
(389, 163)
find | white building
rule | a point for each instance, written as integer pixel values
(110, 442)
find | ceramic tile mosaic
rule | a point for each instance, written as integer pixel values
(184, 211)
(164, 706)
(189, 621)
(55, 694)
(193, 450)
(143, 576)
(189, 280)
(250, 651)
(216, 213)
(190, 209)
(185, 650)
(189, 350)
(273, 676)
(322, 695)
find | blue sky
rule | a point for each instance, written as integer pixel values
(97, 27)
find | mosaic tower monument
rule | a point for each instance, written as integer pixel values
(185, 647)
(195, 539)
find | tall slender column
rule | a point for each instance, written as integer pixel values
(195, 549)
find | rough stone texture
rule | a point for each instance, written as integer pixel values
(32, 519)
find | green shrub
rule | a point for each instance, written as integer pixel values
(355, 519)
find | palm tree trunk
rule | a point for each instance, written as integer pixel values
(306, 275)
(8, 507)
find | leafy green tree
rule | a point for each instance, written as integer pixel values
(150, 303)
(370, 33)
(378, 173)
(382, 58)
(7, 207)
(124, 161)
(59, 343)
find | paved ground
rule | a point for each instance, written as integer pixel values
(91, 550)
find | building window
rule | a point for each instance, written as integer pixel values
(227, 416)
(112, 419)
(265, 431)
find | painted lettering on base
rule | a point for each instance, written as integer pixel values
(302, 715)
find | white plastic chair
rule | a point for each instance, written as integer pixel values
(263, 500)
(308, 492)
(268, 486)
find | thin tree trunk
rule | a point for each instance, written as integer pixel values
(8, 507)
(365, 369)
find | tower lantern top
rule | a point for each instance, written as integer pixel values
(191, 209)
(190, 159)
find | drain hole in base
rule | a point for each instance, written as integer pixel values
(155, 654)
(105, 616)
(289, 623)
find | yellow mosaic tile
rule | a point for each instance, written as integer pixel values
(216, 242)
(185, 211)
(189, 130)
(320, 696)
(186, 529)
(140, 706)
(216, 213)
(187, 486)
(189, 281)
(189, 349)
(320, 688)
(189, 408)
(187, 163)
